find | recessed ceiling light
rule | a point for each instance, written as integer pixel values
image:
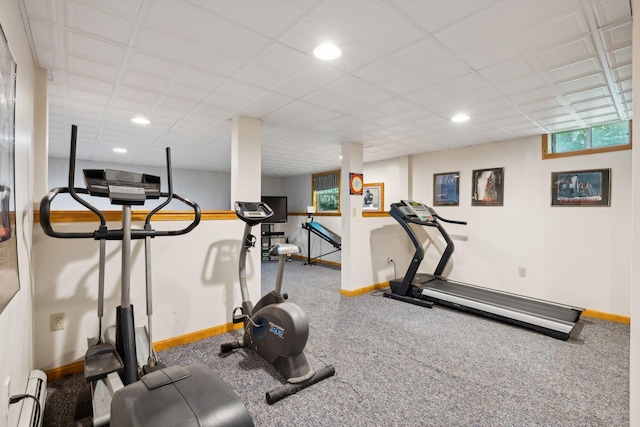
(327, 51)
(459, 118)
(140, 120)
(119, 150)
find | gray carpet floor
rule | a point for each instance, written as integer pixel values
(403, 365)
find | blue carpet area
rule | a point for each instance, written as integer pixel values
(403, 365)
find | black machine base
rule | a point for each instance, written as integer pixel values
(289, 388)
(410, 300)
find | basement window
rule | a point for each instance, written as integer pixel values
(326, 192)
(595, 139)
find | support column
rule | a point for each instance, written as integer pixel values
(353, 236)
(246, 162)
(246, 186)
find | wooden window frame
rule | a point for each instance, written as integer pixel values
(313, 194)
(547, 155)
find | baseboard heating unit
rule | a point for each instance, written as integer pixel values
(33, 400)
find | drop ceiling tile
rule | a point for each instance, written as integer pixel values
(233, 39)
(593, 104)
(163, 45)
(517, 15)
(494, 52)
(593, 121)
(618, 36)
(185, 92)
(89, 84)
(597, 112)
(623, 73)
(525, 84)
(44, 9)
(417, 56)
(92, 69)
(192, 77)
(267, 18)
(569, 53)
(192, 21)
(136, 95)
(143, 81)
(448, 12)
(442, 72)
(210, 60)
(621, 57)
(609, 11)
(593, 80)
(389, 36)
(555, 31)
(576, 69)
(82, 17)
(92, 47)
(470, 33)
(43, 33)
(151, 65)
(128, 9)
(49, 59)
(587, 94)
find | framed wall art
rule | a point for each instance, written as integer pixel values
(9, 279)
(581, 188)
(487, 187)
(373, 197)
(446, 189)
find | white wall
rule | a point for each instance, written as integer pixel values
(573, 255)
(195, 284)
(16, 357)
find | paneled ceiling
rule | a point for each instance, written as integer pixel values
(516, 67)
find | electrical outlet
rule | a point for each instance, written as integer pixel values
(56, 322)
(522, 271)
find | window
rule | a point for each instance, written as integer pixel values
(326, 191)
(596, 139)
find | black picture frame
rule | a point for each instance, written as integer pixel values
(590, 187)
(446, 189)
(487, 187)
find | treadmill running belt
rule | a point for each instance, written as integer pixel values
(516, 302)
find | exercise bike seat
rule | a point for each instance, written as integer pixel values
(283, 249)
(179, 396)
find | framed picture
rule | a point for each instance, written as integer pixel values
(581, 188)
(373, 197)
(446, 189)
(9, 279)
(487, 187)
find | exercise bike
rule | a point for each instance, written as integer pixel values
(276, 329)
(129, 387)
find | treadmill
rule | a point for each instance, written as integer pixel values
(552, 319)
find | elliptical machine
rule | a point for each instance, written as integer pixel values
(276, 329)
(165, 396)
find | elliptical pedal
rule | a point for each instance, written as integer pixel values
(100, 360)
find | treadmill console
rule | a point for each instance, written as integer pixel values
(253, 212)
(422, 211)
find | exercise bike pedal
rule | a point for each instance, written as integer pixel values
(238, 318)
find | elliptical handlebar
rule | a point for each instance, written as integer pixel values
(103, 232)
